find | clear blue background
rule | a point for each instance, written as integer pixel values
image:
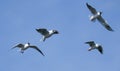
(65, 51)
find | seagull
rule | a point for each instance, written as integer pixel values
(23, 47)
(93, 46)
(97, 15)
(46, 33)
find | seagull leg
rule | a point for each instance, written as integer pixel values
(44, 38)
(22, 51)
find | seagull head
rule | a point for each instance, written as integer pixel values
(55, 32)
(100, 12)
(28, 43)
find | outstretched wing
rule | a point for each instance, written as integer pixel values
(37, 49)
(100, 49)
(104, 23)
(93, 10)
(91, 43)
(43, 31)
(19, 46)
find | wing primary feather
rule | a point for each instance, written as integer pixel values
(43, 31)
(93, 10)
(100, 49)
(104, 23)
(37, 49)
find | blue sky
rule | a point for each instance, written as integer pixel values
(65, 51)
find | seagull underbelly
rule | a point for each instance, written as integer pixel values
(94, 17)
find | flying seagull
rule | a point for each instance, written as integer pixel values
(93, 46)
(23, 47)
(97, 15)
(46, 33)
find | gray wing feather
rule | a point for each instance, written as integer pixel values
(19, 46)
(42, 31)
(91, 43)
(104, 23)
(37, 49)
(93, 10)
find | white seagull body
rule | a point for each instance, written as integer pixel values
(23, 47)
(93, 46)
(97, 15)
(46, 33)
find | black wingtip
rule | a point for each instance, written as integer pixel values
(109, 28)
(13, 47)
(89, 42)
(86, 3)
(36, 29)
(86, 42)
(42, 54)
(101, 52)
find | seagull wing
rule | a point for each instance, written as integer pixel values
(91, 43)
(19, 46)
(42, 31)
(93, 10)
(104, 23)
(100, 49)
(37, 49)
